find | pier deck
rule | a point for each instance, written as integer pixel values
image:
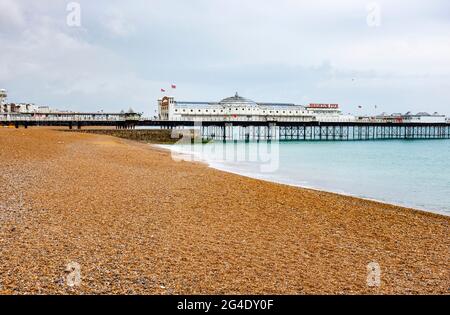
(325, 131)
(265, 130)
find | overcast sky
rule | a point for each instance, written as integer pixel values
(124, 52)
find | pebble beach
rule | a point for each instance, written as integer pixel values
(138, 222)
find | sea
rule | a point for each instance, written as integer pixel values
(411, 173)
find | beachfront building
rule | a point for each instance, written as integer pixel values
(22, 108)
(30, 112)
(3, 96)
(238, 108)
(26, 108)
(19, 108)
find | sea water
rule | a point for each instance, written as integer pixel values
(412, 173)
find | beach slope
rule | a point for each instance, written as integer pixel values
(137, 222)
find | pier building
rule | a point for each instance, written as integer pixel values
(409, 117)
(238, 108)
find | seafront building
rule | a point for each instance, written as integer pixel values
(238, 108)
(24, 108)
(21, 108)
(13, 112)
(3, 96)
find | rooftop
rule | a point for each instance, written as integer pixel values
(237, 100)
(232, 101)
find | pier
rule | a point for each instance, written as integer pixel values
(250, 130)
(70, 120)
(331, 131)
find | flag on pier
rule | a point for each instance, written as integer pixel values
(173, 86)
(162, 90)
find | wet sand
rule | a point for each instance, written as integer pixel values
(138, 222)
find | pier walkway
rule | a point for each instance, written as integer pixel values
(256, 130)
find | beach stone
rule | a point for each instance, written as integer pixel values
(137, 222)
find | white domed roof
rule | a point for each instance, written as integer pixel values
(237, 100)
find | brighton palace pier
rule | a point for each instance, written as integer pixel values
(238, 118)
